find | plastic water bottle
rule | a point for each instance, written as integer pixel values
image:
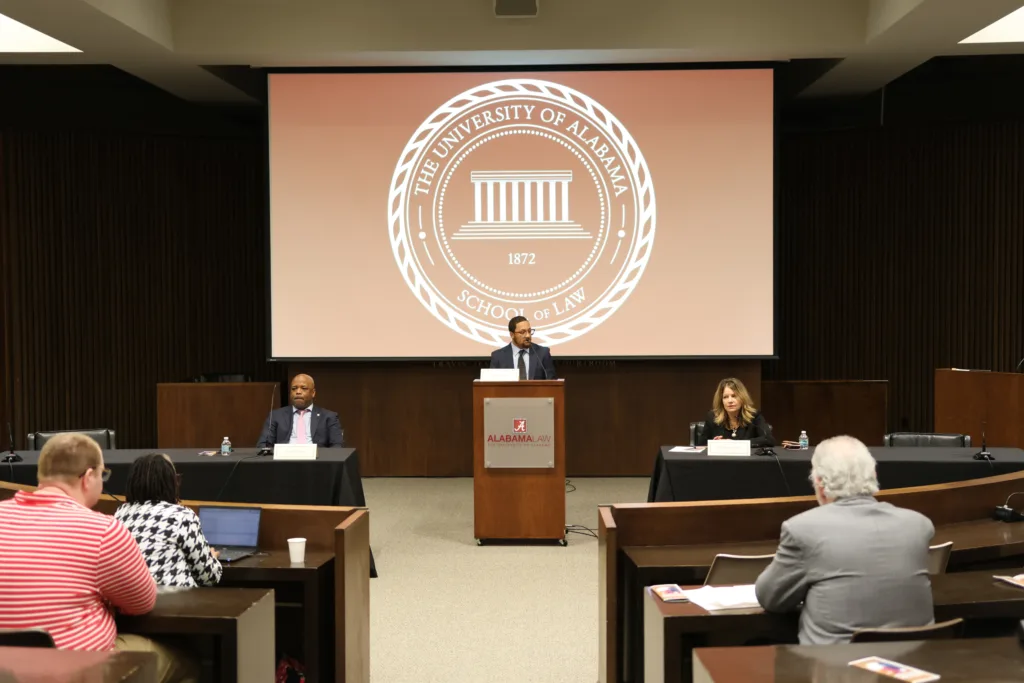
(225, 446)
(804, 441)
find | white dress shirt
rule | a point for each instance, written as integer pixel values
(526, 359)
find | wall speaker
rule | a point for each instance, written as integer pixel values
(516, 9)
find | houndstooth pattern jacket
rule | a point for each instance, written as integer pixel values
(172, 541)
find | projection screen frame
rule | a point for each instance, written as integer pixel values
(524, 68)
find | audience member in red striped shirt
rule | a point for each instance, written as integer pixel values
(65, 568)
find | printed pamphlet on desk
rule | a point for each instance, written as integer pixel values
(670, 592)
(687, 449)
(715, 598)
(901, 672)
(1017, 580)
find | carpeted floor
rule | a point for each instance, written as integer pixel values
(446, 610)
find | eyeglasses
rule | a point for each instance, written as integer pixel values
(529, 331)
(105, 475)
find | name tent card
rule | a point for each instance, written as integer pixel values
(729, 447)
(499, 375)
(295, 451)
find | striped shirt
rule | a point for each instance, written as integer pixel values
(63, 567)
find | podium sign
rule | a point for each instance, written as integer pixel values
(519, 432)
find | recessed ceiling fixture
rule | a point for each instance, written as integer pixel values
(1009, 29)
(17, 37)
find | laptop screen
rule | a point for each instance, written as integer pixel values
(230, 526)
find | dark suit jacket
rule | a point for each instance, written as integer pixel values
(759, 432)
(541, 365)
(323, 425)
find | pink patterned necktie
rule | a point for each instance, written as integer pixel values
(300, 427)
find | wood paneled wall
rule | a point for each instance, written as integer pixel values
(900, 250)
(416, 419)
(827, 408)
(135, 254)
(130, 260)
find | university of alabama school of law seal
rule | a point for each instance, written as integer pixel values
(521, 197)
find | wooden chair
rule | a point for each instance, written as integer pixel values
(734, 570)
(941, 631)
(938, 557)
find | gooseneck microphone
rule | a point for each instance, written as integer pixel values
(768, 450)
(1017, 369)
(11, 455)
(983, 454)
(268, 450)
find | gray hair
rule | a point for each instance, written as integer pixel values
(844, 467)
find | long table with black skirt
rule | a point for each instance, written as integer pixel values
(331, 479)
(697, 476)
(242, 477)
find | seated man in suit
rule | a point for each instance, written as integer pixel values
(301, 421)
(854, 562)
(532, 360)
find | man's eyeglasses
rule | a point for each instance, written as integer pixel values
(105, 476)
(530, 331)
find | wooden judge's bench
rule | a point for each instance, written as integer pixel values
(201, 414)
(976, 401)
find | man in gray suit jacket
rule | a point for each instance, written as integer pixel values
(853, 562)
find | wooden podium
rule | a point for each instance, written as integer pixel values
(200, 414)
(967, 399)
(513, 499)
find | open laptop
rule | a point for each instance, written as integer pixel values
(231, 531)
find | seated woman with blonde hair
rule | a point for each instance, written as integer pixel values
(733, 416)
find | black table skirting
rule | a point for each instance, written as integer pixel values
(697, 476)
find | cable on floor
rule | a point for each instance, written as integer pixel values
(580, 529)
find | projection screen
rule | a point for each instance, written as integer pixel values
(625, 213)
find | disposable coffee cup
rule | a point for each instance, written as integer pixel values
(297, 550)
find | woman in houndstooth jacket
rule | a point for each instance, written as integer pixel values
(168, 533)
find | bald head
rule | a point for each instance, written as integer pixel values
(302, 391)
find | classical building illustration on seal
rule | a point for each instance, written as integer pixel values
(518, 204)
(521, 197)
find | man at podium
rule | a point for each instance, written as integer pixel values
(301, 421)
(533, 361)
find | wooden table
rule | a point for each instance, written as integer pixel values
(304, 602)
(673, 630)
(240, 620)
(964, 660)
(976, 544)
(31, 665)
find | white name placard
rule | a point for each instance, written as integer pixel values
(499, 375)
(295, 451)
(729, 447)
